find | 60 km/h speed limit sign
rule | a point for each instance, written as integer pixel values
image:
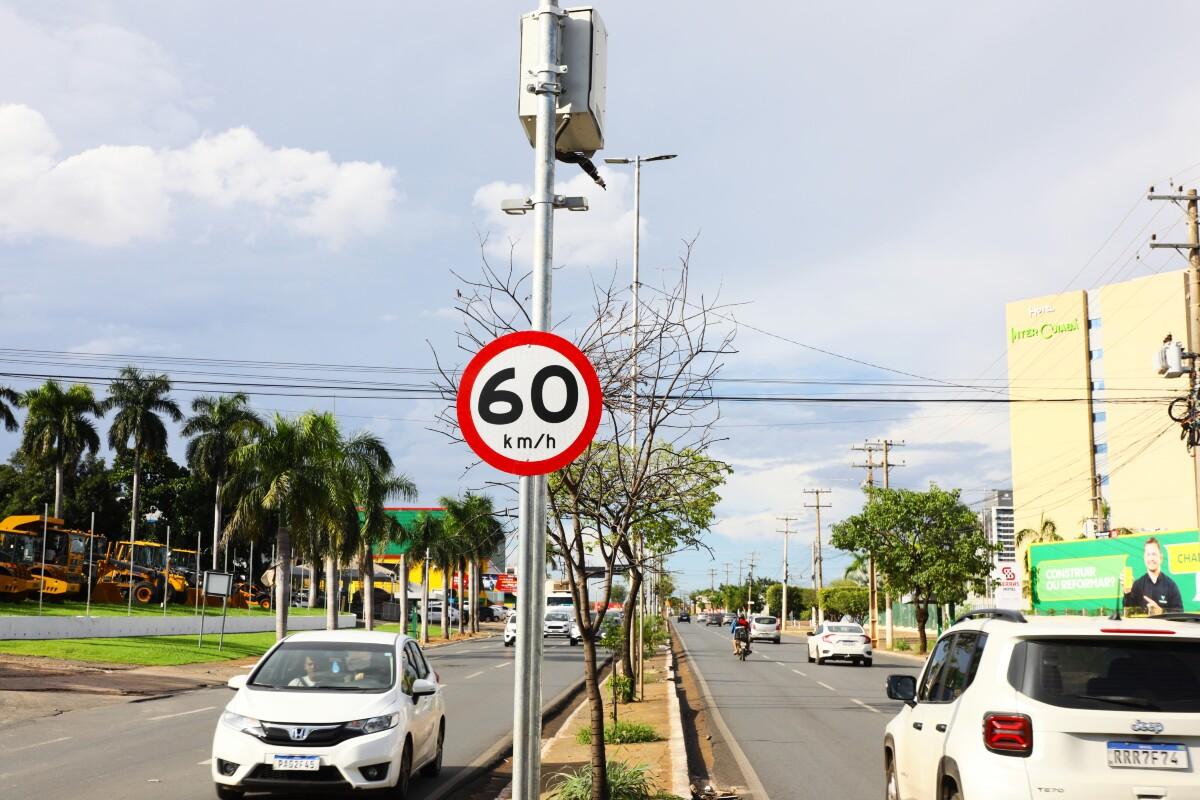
(529, 403)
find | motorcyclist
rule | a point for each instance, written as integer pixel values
(740, 630)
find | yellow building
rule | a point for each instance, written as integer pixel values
(1089, 424)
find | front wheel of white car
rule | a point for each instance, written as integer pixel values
(891, 782)
(400, 790)
(434, 768)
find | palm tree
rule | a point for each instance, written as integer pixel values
(139, 399)
(427, 533)
(58, 428)
(373, 482)
(217, 427)
(286, 483)
(9, 399)
(1046, 531)
(472, 522)
(859, 569)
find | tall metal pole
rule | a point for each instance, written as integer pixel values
(1193, 318)
(167, 572)
(42, 582)
(527, 701)
(91, 548)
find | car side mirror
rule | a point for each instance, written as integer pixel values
(237, 681)
(811, 633)
(903, 688)
(423, 688)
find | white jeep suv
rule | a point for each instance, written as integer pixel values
(1077, 708)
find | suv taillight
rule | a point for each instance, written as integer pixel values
(1008, 734)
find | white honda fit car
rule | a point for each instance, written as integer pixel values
(331, 710)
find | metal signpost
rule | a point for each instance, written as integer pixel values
(221, 584)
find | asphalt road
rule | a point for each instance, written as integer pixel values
(161, 748)
(808, 731)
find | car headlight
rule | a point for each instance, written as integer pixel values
(374, 724)
(242, 724)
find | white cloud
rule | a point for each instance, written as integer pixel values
(593, 238)
(113, 195)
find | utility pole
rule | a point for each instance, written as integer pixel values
(784, 602)
(818, 566)
(727, 565)
(1193, 291)
(712, 579)
(750, 583)
(870, 448)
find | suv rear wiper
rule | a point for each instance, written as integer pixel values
(1118, 700)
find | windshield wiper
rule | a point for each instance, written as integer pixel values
(1118, 700)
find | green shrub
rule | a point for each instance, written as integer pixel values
(654, 633)
(625, 782)
(622, 688)
(903, 646)
(621, 733)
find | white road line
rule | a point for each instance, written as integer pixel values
(864, 705)
(473, 675)
(502, 666)
(179, 714)
(39, 744)
(204, 763)
(827, 686)
(801, 674)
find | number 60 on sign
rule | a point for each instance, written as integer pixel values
(529, 403)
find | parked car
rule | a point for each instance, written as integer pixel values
(499, 613)
(331, 709)
(764, 627)
(510, 630)
(557, 622)
(839, 640)
(702, 619)
(435, 613)
(716, 619)
(1088, 707)
(684, 617)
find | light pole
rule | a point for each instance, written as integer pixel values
(637, 162)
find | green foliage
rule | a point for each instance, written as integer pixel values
(625, 782)
(654, 633)
(622, 688)
(927, 544)
(799, 600)
(902, 645)
(846, 601)
(621, 733)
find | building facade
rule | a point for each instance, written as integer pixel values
(1092, 446)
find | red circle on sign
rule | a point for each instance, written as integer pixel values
(567, 350)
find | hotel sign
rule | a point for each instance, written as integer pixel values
(1047, 330)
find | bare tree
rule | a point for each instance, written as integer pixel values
(640, 489)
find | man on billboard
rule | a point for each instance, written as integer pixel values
(1154, 591)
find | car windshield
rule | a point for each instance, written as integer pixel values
(845, 629)
(764, 620)
(557, 616)
(16, 549)
(327, 666)
(148, 556)
(1107, 674)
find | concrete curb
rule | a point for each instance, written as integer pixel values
(497, 752)
(754, 784)
(175, 625)
(680, 779)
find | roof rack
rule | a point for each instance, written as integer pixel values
(1180, 616)
(1006, 614)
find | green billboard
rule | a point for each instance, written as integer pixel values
(1149, 571)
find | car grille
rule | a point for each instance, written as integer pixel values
(265, 772)
(318, 735)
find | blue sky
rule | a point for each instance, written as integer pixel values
(295, 181)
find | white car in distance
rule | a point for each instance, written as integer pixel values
(330, 710)
(839, 640)
(510, 630)
(561, 623)
(764, 627)
(1084, 708)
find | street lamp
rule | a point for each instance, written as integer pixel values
(637, 162)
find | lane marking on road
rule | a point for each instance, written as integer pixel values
(801, 674)
(502, 666)
(179, 714)
(864, 705)
(39, 744)
(473, 675)
(827, 686)
(204, 763)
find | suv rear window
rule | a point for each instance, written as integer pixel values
(1109, 674)
(765, 620)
